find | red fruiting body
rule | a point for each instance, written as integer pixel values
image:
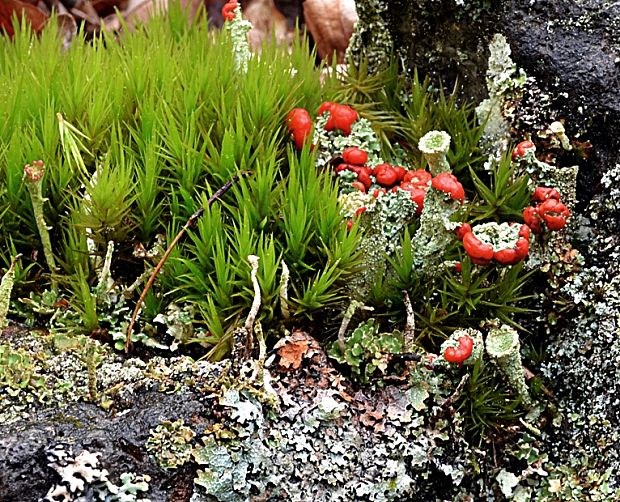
(419, 177)
(228, 10)
(378, 192)
(349, 224)
(364, 178)
(541, 194)
(480, 252)
(462, 230)
(343, 167)
(554, 213)
(462, 352)
(506, 256)
(532, 220)
(301, 136)
(522, 148)
(354, 155)
(360, 210)
(341, 117)
(359, 186)
(385, 175)
(447, 182)
(514, 255)
(524, 232)
(400, 172)
(325, 106)
(523, 247)
(300, 125)
(417, 194)
(458, 268)
(298, 117)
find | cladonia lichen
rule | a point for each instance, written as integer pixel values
(435, 145)
(503, 346)
(505, 84)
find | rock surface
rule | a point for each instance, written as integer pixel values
(572, 49)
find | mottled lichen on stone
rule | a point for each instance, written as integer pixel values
(82, 479)
(170, 444)
(371, 40)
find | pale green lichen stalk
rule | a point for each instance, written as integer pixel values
(505, 85)
(6, 287)
(435, 234)
(503, 346)
(435, 145)
(33, 174)
(238, 29)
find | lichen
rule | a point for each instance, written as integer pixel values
(435, 145)
(6, 287)
(371, 40)
(498, 235)
(170, 444)
(330, 143)
(239, 29)
(505, 85)
(382, 224)
(503, 346)
(82, 479)
(435, 234)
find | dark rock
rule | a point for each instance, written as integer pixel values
(572, 48)
(120, 439)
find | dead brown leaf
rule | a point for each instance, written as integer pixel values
(293, 348)
(331, 24)
(22, 10)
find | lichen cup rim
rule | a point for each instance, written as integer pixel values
(501, 342)
(434, 142)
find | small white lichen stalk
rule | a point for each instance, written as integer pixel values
(239, 29)
(33, 175)
(435, 145)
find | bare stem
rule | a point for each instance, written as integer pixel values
(188, 224)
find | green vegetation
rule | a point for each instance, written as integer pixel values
(136, 135)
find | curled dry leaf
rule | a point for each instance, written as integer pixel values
(266, 21)
(67, 28)
(33, 15)
(331, 24)
(293, 348)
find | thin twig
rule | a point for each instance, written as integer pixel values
(189, 224)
